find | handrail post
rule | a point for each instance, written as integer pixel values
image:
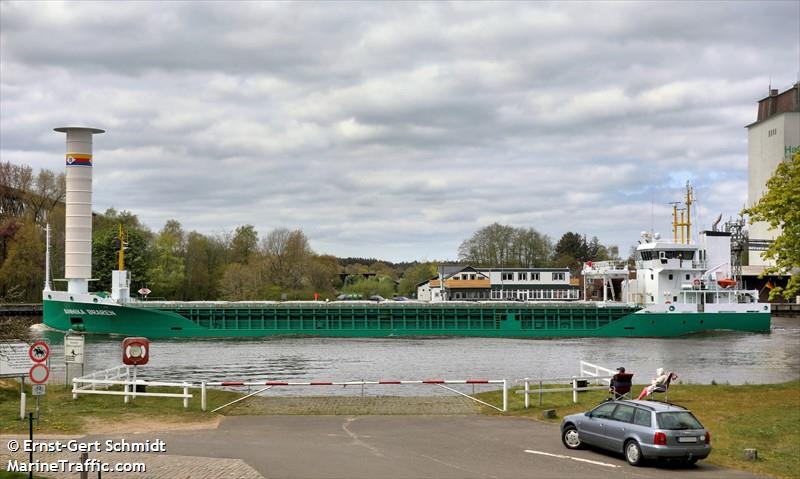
(203, 396)
(505, 396)
(540, 393)
(185, 396)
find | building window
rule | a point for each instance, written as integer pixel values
(534, 276)
(522, 276)
(558, 276)
(508, 276)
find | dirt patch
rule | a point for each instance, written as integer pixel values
(371, 405)
(136, 425)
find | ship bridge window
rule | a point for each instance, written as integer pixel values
(646, 255)
(678, 255)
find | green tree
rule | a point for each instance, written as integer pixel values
(366, 287)
(780, 208)
(22, 274)
(105, 257)
(244, 245)
(167, 269)
(413, 276)
(504, 246)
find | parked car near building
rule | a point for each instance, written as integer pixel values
(640, 430)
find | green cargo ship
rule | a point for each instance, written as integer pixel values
(673, 294)
(355, 319)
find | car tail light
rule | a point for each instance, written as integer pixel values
(660, 439)
(708, 437)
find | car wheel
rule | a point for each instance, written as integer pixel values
(571, 438)
(633, 453)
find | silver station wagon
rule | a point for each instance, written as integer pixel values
(640, 430)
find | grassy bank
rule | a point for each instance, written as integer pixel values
(59, 414)
(765, 417)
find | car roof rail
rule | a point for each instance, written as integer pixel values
(670, 404)
(637, 404)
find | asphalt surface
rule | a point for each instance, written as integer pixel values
(327, 447)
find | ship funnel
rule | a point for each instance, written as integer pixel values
(78, 248)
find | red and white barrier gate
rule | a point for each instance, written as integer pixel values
(443, 383)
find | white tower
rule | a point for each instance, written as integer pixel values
(78, 248)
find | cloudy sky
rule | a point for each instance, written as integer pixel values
(395, 130)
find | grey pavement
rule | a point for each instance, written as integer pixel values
(395, 447)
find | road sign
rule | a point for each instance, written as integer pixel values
(14, 359)
(39, 373)
(73, 349)
(39, 352)
(144, 291)
(38, 389)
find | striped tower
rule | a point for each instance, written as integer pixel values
(78, 231)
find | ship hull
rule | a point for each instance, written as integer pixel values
(521, 320)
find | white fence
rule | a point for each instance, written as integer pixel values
(121, 375)
(98, 383)
(599, 373)
(588, 372)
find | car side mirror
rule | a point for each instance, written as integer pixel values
(588, 414)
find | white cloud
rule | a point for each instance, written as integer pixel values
(395, 130)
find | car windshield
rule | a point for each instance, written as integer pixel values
(678, 420)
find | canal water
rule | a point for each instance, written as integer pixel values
(724, 357)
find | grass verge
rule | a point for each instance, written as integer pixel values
(765, 417)
(59, 414)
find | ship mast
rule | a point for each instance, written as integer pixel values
(684, 225)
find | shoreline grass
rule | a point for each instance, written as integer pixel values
(765, 417)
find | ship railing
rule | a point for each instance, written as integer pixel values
(577, 384)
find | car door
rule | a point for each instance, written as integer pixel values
(619, 426)
(592, 428)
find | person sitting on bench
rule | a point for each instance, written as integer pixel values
(620, 384)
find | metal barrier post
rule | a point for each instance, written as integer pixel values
(505, 396)
(22, 406)
(527, 397)
(540, 393)
(185, 396)
(75, 389)
(203, 396)
(574, 390)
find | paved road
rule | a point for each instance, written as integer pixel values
(390, 447)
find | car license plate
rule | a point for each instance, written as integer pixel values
(687, 439)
